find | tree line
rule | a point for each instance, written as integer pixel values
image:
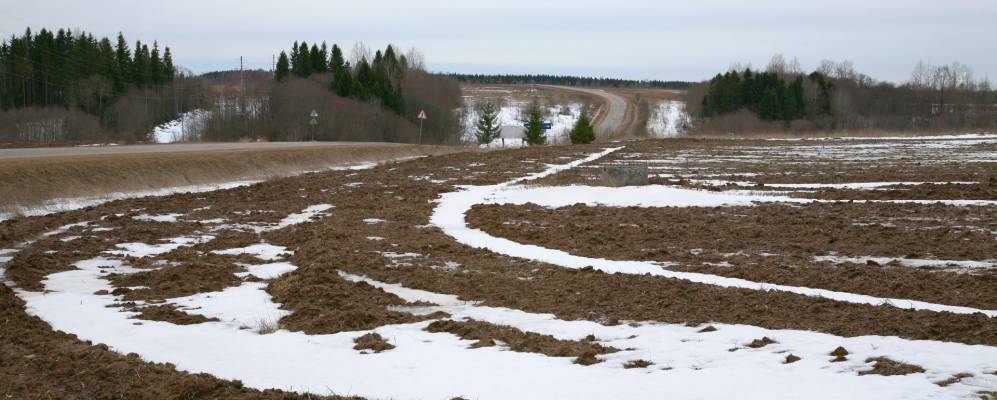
(379, 78)
(767, 95)
(567, 80)
(72, 85)
(76, 69)
(837, 97)
(360, 97)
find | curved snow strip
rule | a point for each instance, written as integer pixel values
(450, 214)
(439, 365)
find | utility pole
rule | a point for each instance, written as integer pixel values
(242, 84)
(273, 65)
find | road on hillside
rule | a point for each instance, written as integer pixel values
(613, 118)
(36, 152)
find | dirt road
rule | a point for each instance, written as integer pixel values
(613, 120)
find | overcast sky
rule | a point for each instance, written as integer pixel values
(640, 39)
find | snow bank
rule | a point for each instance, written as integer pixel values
(183, 129)
(668, 119)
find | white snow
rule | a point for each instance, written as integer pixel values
(910, 262)
(140, 250)
(185, 128)
(60, 205)
(246, 305)
(434, 366)
(263, 251)
(668, 119)
(306, 215)
(266, 271)
(373, 221)
(157, 218)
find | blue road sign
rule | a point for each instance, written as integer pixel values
(548, 126)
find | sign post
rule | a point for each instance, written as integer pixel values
(422, 118)
(313, 122)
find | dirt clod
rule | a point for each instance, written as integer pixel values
(486, 334)
(637, 364)
(372, 341)
(759, 343)
(887, 367)
(791, 358)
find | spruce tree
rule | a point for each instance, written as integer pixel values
(122, 65)
(283, 67)
(535, 135)
(317, 60)
(488, 128)
(155, 65)
(770, 108)
(342, 79)
(169, 70)
(304, 69)
(582, 132)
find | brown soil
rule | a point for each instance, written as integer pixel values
(759, 343)
(486, 335)
(791, 358)
(954, 379)
(372, 341)
(169, 313)
(177, 281)
(775, 243)
(637, 364)
(39, 363)
(887, 367)
(324, 303)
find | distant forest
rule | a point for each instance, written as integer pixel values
(67, 85)
(836, 97)
(364, 96)
(567, 80)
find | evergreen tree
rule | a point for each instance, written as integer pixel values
(122, 64)
(169, 70)
(303, 66)
(283, 67)
(582, 132)
(156, 65)
(770, 108)
(364, 82)
(487, 128)
(317, 60)
(342, 79)
(535, 134)
(139, 66)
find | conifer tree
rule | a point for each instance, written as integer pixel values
(303, 67)
(122, 64)
(317, 60)
(770, 108)
(283, 67)
(139, 66)
(168, 67)
(342, 79)
(582, 132)
(155, 65)
(535, 134)
(487, 128)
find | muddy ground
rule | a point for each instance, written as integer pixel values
(378, 227)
